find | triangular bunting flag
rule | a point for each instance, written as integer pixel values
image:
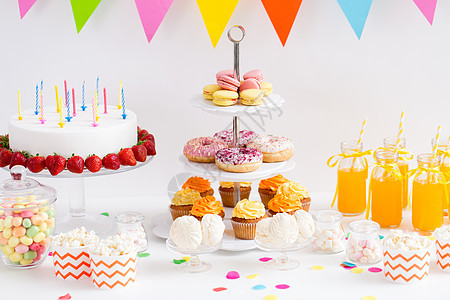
(356, 12)
(82, 11)
(428, 8)
(282, 15)
(24, 7)
(216, 14)
(152, 13)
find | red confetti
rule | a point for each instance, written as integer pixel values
(265, 259)
(282, 286)
(375, 270)
(233, 275)
(65, 297)
(348, 268)
(219, 289)
(50, 253)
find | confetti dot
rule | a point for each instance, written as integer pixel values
(317, 267)
(432, 238)
(259, 287)
(357, 270)
(348, 268)
(381, 237)
(186, 258)
(233, 275)
(65, 297)
(252, 276)
(348, 264)
(282, 286)
(145, 254)
(265, 259)
(106, 214)
(219, 289)
(369, 298)
(50, 253)
(375, 270)
(178, 261)
(271, 297)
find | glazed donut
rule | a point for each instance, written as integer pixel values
(275, 148)
(245, 137)
(202, 149)
(238, 160)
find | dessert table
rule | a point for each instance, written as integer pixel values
(158, 278)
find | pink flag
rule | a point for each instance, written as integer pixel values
(428, 8)
(152, 13)
(24, 7)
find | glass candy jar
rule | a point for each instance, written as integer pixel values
(329, 235)
(364, 245)
(132, 223)
(27, 220)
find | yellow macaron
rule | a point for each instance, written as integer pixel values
(225, 98)
(267, 88)
(252, 97)
(209, 90)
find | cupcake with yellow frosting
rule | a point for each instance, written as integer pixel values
(199, 184)
(293, 189)
(182, 202)
(282, 203)
(226, 190)
(246, 214)
(207, 205)
(268, 188)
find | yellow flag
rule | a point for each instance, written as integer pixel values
(216, 14)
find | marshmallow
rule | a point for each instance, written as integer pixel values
(328, 240)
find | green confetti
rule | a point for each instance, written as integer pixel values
(178, 261)
(105, 214)
(145, 254)
(381, 237)
(348, 234)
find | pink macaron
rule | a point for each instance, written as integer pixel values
(250, 83)
(224, 72)
(256, 74)
(228, 83)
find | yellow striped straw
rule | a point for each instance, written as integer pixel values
(400, 131)
(120, 96)
(436, 144)
(361, 133)
(19, 105)
(57, 99)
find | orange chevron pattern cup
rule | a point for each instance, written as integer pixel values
(443, 254)
(71, 263)
(402, 266)
(111, 272)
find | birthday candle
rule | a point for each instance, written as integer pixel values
(42, 103)
(94, 107)
(61, 118)
(57, 99)
(124, 115)
(65, 91)
(83, 107)
(104, 100)
(73, 101)
(19, 104)
(96, 88)
(36, 111)
(120, 96)
(68, 107)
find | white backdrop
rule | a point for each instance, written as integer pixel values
(330, 79)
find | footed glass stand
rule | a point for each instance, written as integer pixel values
(78, 216)
(282, 262)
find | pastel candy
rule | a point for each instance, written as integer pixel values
(2, 224)
(26, 223)
(15, 257)
(32, 231)
(21, 248)
(35, 246)
(3, 240)
(8, 213)
(19, 206)
(13, 241)
(51, 213)
(43, 227)
(7, 233)
(42, 250)
(19, 231)
(30, 254)
(8, 222)
(25, 262)
(26, 214)
(39, 237)
(37, 220)
(43, 214)
(17, 221)
(26, 240)
(7, 250)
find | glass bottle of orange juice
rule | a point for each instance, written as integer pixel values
(443, 152)
(352, 180)
(386, 191)
(427, 194)
(403, 162)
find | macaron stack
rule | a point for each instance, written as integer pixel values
(227, 90)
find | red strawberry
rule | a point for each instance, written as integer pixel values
(150, 146)
(138, 129)
(149, 137)
(75, 164)
(36, 164)
(93, 163)
(126, 157)
(140, 152)
(111, 161)
(55, 164)
(5, 157)
(142, 133)
(18, 158)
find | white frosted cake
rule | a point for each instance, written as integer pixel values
(78, 136)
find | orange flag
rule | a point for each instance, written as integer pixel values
(282, 15)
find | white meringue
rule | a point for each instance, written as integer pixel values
(262, 231)
(283, 230)
(212, 229)
(186, 232)
(306, 225)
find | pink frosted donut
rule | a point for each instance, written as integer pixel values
(245, 137)
(275, 148)
(203, 149)
(239, 160)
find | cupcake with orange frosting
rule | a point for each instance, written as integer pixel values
(282, 203)
(226, 190)
(293, 189)
(207, 205)
(182, 202)
(199, 184)
(268, 188)
(246, 214)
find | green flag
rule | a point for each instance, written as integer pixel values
(82, 11)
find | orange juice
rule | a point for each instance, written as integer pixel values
(387, 201)
(404, 170)
(446, 170)
(352, 191)
(427, 209)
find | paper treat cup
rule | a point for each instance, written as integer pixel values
(406, 266)
(443, 254)
(71, 263)
(244, 231)
(111, 272)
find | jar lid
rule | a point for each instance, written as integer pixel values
(364, 226)
(129, 218)
(22, 190)
(327, 216)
